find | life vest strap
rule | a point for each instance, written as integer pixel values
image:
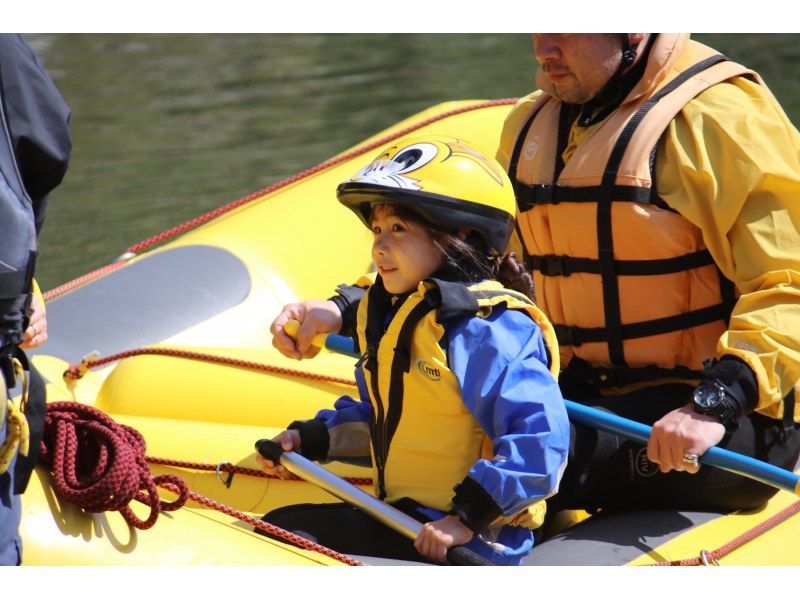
(564, 265)
(576, 336)
(529, 196)
(614, 161)
(617, 377)
(605, 239)
(386, 424)
(788, 415)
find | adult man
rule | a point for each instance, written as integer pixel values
(34, 151)
(656, 186)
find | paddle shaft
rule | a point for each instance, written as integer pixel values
(631, 430)
(377, 509)
(714, 456)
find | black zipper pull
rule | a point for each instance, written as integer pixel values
(368, 358)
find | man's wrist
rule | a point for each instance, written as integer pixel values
(711, 399)
(728, 391)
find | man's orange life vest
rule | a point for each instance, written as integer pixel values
(632, 290)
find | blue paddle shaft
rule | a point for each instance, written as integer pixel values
(715, 456)
(626, 428)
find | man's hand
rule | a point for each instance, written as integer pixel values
(679, 432)
(36, 332)
(437, 536)
(314, 317)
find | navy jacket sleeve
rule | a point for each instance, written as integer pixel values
(501, 365)
(37, 120)
(341, 433)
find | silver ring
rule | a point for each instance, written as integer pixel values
(691, 459)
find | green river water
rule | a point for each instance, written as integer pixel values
(167, 127)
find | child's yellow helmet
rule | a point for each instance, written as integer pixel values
(448, 182)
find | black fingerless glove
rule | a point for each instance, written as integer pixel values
(474, 505)
(314, 438)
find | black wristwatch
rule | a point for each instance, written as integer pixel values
(711, 398)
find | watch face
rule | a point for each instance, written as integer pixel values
(706, 397)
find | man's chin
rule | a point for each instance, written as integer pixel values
(563, 93)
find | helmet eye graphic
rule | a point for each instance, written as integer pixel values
(389, 171)
(408, 158)
(415, 156)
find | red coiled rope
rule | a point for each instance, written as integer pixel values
(100, 465)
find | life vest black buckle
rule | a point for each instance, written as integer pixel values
(566, 335)
(525, 196)
(544, 194)
(529, 196)
(554, 265)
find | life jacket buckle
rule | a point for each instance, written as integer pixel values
(554, 265)
(566, 335)
(526, 197)
(544, 194)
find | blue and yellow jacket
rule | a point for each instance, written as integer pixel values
(460, 409)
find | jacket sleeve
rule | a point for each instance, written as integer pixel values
(507, 387)
(38, 121)
(347, 298)
(338, 434)
(729, 164)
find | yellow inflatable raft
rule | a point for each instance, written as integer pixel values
(208, 383)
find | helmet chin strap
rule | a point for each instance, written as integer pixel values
(618, 86)
(628, 54)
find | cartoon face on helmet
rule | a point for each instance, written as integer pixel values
(448, 182)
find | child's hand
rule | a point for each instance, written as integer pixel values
(437, 536)
(289, 440)
(314, 317)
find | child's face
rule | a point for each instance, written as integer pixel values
(403, 251)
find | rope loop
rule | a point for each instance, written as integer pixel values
(100, 465)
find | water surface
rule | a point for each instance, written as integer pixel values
(167, 127)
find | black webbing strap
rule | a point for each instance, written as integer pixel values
(727, 291)
(611, 303)
(515, 154)
(489, 294)
(625, 137)
(401, 364)
(576, 336)
(34, 413)
(788, 415)
(529, 196)
(563, 265)
(566, 117)
(512, 175)
(453, 299)
(603, 377)
(605, 235)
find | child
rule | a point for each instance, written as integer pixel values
(460, 411)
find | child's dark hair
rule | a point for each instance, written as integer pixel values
(469, 260)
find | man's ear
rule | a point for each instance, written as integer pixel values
(462, 233)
